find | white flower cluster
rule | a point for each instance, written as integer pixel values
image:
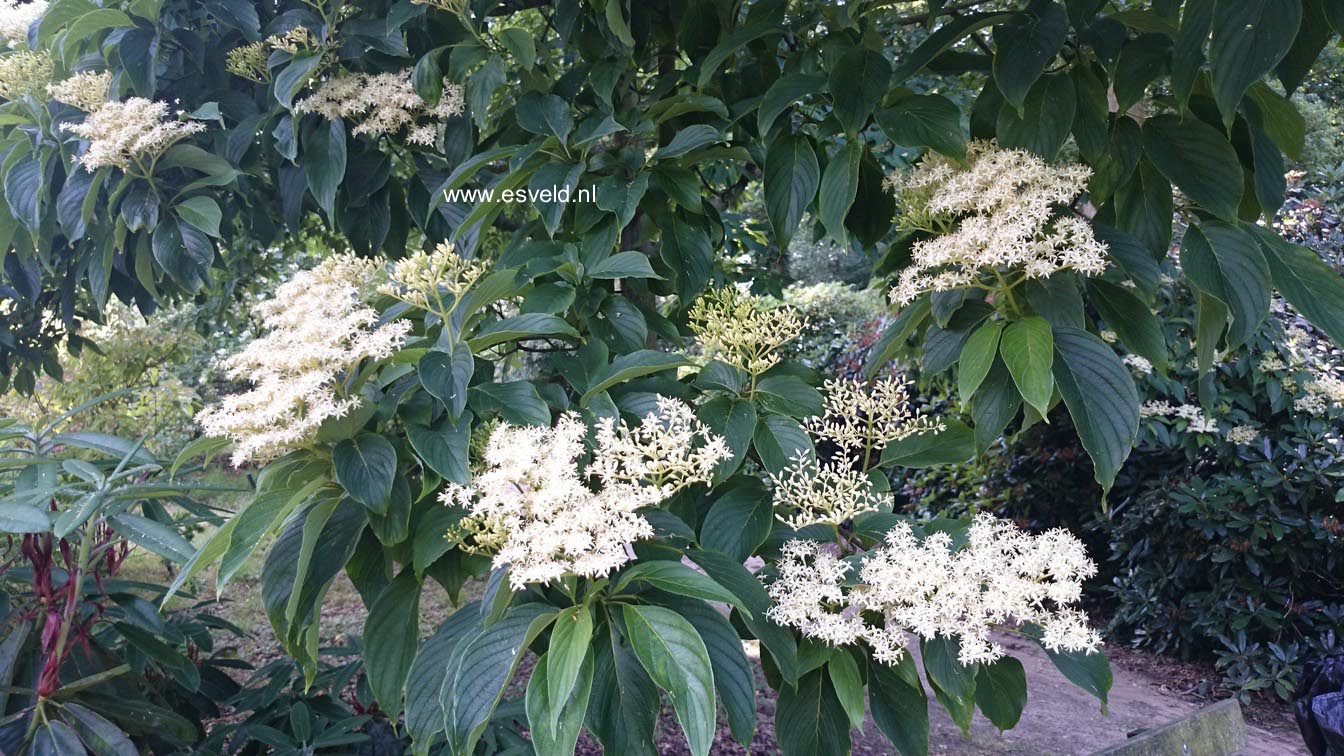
(421, 279)
(17, 17)
(1321, 393)
(533, 507)
(862, 416)
(668, 451)
(1242, 435)
(384, 103)
(1139, 364)
(1193, 414)
(318, 327)
(24, 73)
(122, 134)
(741, 329)
(86, 90)
(1002, 575)
(859, 419)
(808, 492)
(993, 220)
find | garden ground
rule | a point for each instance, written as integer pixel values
(1148, 691)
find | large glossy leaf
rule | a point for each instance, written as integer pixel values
(429, 669)
(571, 635)
(925, 121)
(520, 327)
(1100, 394)
(733, 677)
(675, 657)
(858, 81)
(554, 723)
(1028, 351)
(1225, 262)
(1001, 691)
(740, 519)
(1024, 49)
(1250, 37)
(624, 705)
(839, 185)
(483, 668)
(365, 466)
(791, 179)
(1312, 286)
(1197, 158)
(899, 705)
(391, 639)
(809, 719)
(675, 577)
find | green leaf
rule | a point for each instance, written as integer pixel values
(739, 520)
(733, 676)
(977, 357)
(810, 720)
(687, 251)
(547, 115)
(1250, 37)
(77, 514)
(1197, 158)
(1225, 262)
(1131, 319)
(1089, 671)
(675, 577)
(786, 90)
(22, 518)
(482, 670)
(860, 78)
(1100, 395)
(324, 160)
(448, 376)
(516, 401)
(391, 639)
(1001, 691)
(101, 736)
(925, 121)
(675, 657)
(771, 24)
(953, 684)
(848, 685)
(571, 634)
(628, 264)
(554, 723)
(201, 212)
(730, 573)
(686, 140)
(56, 738)
(533, 325)
(105, 444)
(839, 185)
(443, 446)
(365, 466)
(1024, 48)
(628, 367)
(778, 440)
(1313, 287)
(624, 705)
(900, 706)
(952, 445)
(1028, 351)
(430, 670)
(154, 536)
(942, 39)
(1188, 55)
(788, 395)
(616, 22)
(791, 179)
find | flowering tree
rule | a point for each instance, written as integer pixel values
(573, 396)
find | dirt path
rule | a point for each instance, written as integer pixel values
(1061, 719)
